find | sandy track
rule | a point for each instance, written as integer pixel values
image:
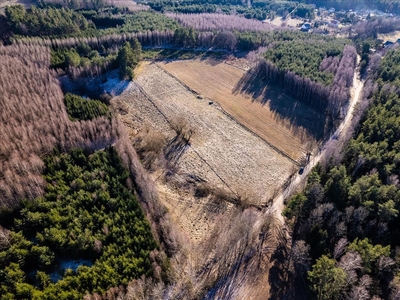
(356, 93)
(217, 82)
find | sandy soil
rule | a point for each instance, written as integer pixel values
(217, 82)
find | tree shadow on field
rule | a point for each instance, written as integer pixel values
(212, 61)
(175, 149)
(282, 105)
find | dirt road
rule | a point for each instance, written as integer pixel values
(279, 202)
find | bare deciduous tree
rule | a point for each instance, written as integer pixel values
(5, 239)
(340, 248)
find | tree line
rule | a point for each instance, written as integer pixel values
(260, 10)
(64, 22)
(47, 22)
(210, 22)
(85, 61)
(298, 81)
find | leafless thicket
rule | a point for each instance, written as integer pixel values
(208, 22)
(329, 64)
(78, 4)
(372, 27)
(343, 80)
(147, 38)
(34, 121)
(221, 40)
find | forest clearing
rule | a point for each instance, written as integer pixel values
(206, 184)
(391, 36)
(280, 120)
(26, 3)
(222, 153)
(199, 150)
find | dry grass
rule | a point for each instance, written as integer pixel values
(289, 22)
(221, 163)
(217, 82)
(392, 36)
(221, 152)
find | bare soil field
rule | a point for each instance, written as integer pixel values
(221, 153)
(279, 21)
(269, 113)
(26, 3)
(392, 36)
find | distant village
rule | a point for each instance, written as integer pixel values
(330, 20)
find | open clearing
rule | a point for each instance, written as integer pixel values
(225, 152)
(270, 114)
(391, 36)
(222, 152)
(290, 22)
(26, 3)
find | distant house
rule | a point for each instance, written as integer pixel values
(305, 27)
(334, 24)
(388, 44)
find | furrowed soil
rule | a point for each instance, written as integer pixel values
(272, 115)
(222, 153)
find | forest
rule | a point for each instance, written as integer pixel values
(345, 223)
(58, 169)
(80, 216)
(318, 72)
(87, 212)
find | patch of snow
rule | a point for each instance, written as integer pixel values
(114, 85)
